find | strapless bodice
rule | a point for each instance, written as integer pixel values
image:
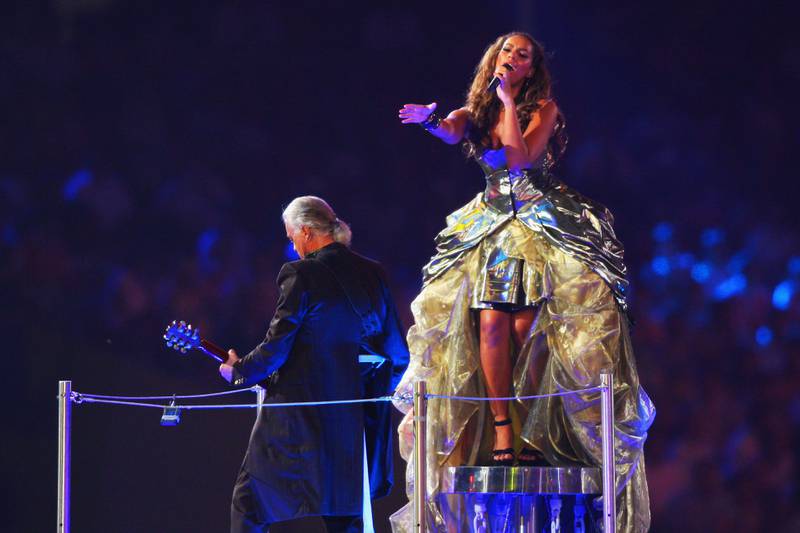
(509, 191)
(492, 160)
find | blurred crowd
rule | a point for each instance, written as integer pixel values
(718, 333)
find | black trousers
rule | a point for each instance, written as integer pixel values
(245, 519)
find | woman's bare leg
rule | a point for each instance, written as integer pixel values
(521, 323)
(495, 355)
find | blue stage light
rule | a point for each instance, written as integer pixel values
(205, 246)
(289, 252)
(763, 336)
(730, 287)
(662, 232)
(738, 261)
(685, 260)
(75, 183)
(701, 272)
(711, 237)
(794, 265)
(660, 265)
(782, 295)
(206, 241)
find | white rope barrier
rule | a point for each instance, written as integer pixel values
(420, 398)
(254, 388)
(78, 398)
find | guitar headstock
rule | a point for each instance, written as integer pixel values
(182, 337)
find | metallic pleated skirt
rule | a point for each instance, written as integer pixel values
(528, 241)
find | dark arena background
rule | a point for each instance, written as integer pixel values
(148, 148)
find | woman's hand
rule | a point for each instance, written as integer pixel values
(416, 113)
(450, 129)
(504, 87)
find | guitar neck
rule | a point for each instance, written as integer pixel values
(212, 350)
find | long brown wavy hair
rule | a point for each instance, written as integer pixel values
(484, 106)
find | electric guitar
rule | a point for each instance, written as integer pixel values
(183, 337)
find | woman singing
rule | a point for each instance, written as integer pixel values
(525, 295)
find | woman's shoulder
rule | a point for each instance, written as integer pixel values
(546, 105)
(544, 112)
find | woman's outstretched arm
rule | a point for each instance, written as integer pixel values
(450, 130)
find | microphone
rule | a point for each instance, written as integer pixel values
(496, 81)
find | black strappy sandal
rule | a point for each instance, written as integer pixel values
(496, 454)
(536, 458)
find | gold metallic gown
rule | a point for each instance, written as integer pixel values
(528, 241)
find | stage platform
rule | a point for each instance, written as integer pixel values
(521, 499)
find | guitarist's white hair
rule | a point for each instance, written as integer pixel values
(317, 215)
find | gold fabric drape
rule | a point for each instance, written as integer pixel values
(572, 272)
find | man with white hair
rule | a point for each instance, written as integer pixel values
(334, 306)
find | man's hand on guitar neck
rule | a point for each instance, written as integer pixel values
(226, 369)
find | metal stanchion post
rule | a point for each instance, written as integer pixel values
(261, 394)
(607, 429)
(64, 445)
(420, 460)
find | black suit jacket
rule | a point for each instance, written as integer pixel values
(333, 306)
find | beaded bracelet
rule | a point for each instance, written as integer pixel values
(432, 122)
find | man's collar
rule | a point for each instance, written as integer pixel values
(332, 245)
